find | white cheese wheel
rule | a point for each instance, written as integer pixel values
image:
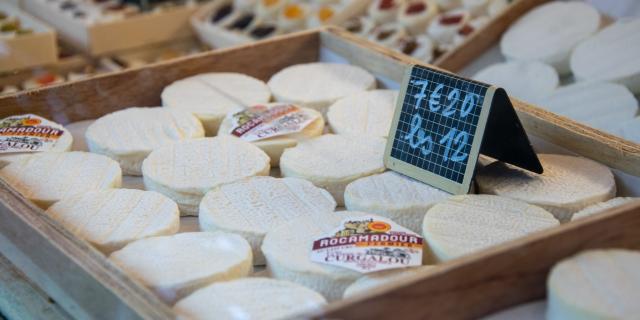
(595, 284)
(416, 15)
(602, 207)
(77, 130)
(51, 176)
(333, 161)
(395, 196)
(318, 85)
(628, 130)
(253, 206)
(444, 27)
(210, 96)
(274, 146)
(367, 113)
(527, 311)
(611, 55)
(176, 266)
(184, 171)
(381, 278)
(251, 298)
(110, 219)
(129, 135)
(63, 144)
(383, 11)
(550, 32)
(567, 185)
(528, 81)
(465, 224)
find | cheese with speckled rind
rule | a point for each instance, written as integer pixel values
(567, 185)
(550, 32)
(176, 266)
(274, 146)
(77, 130)
(381, 278)
(528, 81)
(110, 219)
(333, 161)
(367, 113)
(251, 298)
(395, 196)
(210, 96)
(595, 284)
(129, 135)
(48, 177)
(253, 206)
(465, 224)
(63, 144)
(318, 85)
(185, 171)
(603, 206)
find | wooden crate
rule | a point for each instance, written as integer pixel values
(86, 285)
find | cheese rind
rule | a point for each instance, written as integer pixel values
(378, 279)
(253, 206)
(110, 219)
(367, 113)
(176, 266)
(529, 81)
(602, 207)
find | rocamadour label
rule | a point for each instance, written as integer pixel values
(368, 244)
(28, 133)
(262, 122)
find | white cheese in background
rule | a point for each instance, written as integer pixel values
(77, 130)
(367, 113)
(528, 81)
(602, 207)
(252, 298)
(63, 144)
(51, 176)
(595, 284)
(253, 206)
(210, 96)
(378, 279)
(416, 22)
(185, 171)
(567, 185)
(465, 224)
(110, 219)
(550, 32)
(176, 266)
(333, 161)
(395, 196)
(129, 135)
(628, 130)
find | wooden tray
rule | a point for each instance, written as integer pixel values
(85, 284)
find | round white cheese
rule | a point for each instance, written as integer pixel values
(176, 266)
(444, 26)
(129, 135)
(416, 15)
(628, 130)
(210, 96)
(395, 196)
(318, 85)
(595, 284)
(550, 32)
(611, 55)
(383, 11)
(465, 224)
(77, 130)
(567, 185)
(381, 278)
(253, 206)
(63, 144)
(186, 170)
(110, 219)
(51, 176)
(251, 298)
(602, 207)
(333, 161)
(528, 81)
(367, 113)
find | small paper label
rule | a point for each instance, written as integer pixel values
(369, 244)
(262, 122)
(28, 133)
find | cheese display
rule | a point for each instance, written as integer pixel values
(367, 113)
(465, 224)
(275, 127)
(110, 219)
(567, 185)
(333, 161)
(603, 206)
(595, 284)
(78, 130)
(610, 55)
(51, 176)
(252, 298)
(378, 279)
(318, 85)
(529, 81)
(395, 196)
(211, 96)
(176, 266)
(129, 135)
(62, 144)
(186, 170)
(253, 206)
(550, 32)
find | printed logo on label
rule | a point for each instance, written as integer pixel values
(28, 133)
(262, 122)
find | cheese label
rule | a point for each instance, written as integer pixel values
(262, 122)
(369, 244)
(28, 133)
